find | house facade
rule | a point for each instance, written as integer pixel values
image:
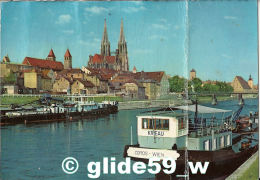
(62, 85)
(80, 86)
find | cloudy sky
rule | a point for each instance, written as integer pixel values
(220, 37)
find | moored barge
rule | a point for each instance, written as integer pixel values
(59, 112)
(191, 133)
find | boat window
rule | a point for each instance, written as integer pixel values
(181, 123)
(151, 124)
(145, 123)
(165, 124)
(155, 124)
(228, 140)
(222, 142)
(206, 145)
(158, 124)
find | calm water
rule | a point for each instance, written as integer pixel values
(36, 151)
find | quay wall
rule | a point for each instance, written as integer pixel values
(150, 104)
(240, 171)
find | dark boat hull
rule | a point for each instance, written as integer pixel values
(221, 162)
(53, 117)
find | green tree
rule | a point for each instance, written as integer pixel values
(218, 87)
(10, 79)
(177, 84)
(196, 83)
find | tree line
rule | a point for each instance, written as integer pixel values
(179, 84)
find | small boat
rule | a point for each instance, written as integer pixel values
(191, 133)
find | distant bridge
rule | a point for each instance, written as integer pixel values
(217, 93)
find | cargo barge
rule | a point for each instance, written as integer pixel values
(69, 111)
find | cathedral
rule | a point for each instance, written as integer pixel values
(117, 62)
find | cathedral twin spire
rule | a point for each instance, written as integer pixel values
(105, 44)
(122, 43)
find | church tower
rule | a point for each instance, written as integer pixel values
(250, 82)
(67, 60)
(122, 49)
(105, 44)
(6, 59)
(51, 56)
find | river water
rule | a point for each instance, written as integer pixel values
(37, 151)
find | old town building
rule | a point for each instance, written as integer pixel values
(80, 86)
(36, 81)
(7, 67)
(71, 73)
(240, 85)
(156, 83)
(126, 86)
(62, 85)
(41, 64)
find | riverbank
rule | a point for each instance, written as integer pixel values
(6, 101)
(151, 104)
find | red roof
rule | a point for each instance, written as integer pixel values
(42, 63)
(67, 54)
(243, 83)
(156, 76)
(71, 71)
(110, 59)
(51, 54)
(85, 82)
(97, 58)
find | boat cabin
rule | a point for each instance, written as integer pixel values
(195, 127)
(162, 130)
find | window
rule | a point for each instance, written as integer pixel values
(206, 145)
(150, 124)
(145, 124)
(165, 124)
(181, 123)
(228, 140)
(222, 143)
(160, 124)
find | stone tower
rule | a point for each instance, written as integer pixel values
(122, 49)
(51, 56)
(6, 59)
(105, 44)
(250, 82)
(134, 70)
(192, 74)
(67, 60)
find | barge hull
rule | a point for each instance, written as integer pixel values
(53, 117)
(221, 162)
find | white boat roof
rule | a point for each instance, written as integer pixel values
(202, 109)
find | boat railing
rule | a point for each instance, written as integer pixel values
(182, 132)
(202, 130)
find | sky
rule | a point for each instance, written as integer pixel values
(217, 39)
